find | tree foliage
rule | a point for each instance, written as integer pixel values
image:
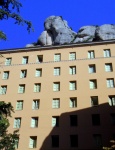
(112, 147)
(7, 140)
(11, 9)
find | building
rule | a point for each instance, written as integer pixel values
(63, 96)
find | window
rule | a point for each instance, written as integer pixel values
(40, 58)
(38, 73)
(57, 57)
(55, 140)
(34, 122)
(72, 70)
(97, 140)
(56, 71)
(107, 53)
(16, 143)
(5, 75)
(35, 104)
(108, 67)
(74, 140)
(23, 73)
(25, 60)
(72, 85)
(92, 69)
(19, 105)
(8, 61)
(73, 102)
(110, 83)
(95, 119)
(37, 87)
(73, 120)
(17, 122)
(91, 54)
(33, 142)
(93, 84)
(21, 88)
(55, 121)
(56, 86)
(56, 103)
(94, 100)
(72, 56)
(113, 118)
(3, 90)
(112, 100)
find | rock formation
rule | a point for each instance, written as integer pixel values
(57, 32)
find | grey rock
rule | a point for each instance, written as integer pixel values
(84, 39)
(45, 38)
(30, 45)
(57, 32)
(105, 32)
(60, 30)
(85, 34)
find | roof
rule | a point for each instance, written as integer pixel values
(49, 47)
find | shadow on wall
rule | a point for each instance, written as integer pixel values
(85, 129)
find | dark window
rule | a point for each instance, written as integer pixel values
(97, 140)
(113, 119)
(74, 140)
(73, 120)
(94, 100)
(96, 119)
(40, 58)
(55, 140)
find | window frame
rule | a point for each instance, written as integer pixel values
(91, 54)
(111, 100)
(5, 75)
(23, 73)
(72, 70)
(39, 59)
(34, 122)
(72, 85)
(56, 86)
(8, 61)
(17, 122)
(110, 83)
(21, 88)
(108, 68)
(72, 56)
(57, 57)
(55, 121)
(3, 89)
(37, 87)
(33, 142)
(56, 71)
(56, 103)
(92, 68)
(25, 60)
(38, 72)
(106, 53)
(73, 102)
(19, 105)
(36, 104)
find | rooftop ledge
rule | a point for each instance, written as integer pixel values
(39, 48)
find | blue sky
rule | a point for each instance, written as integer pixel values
(78, 13)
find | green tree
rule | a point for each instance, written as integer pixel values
(7, 140)
(11, 9)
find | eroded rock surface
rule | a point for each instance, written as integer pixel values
(57, 32)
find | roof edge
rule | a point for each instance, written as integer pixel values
(39, 48)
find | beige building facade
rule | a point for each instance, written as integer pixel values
(63, 96)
